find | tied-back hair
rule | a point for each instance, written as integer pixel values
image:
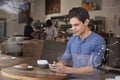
(79, 12)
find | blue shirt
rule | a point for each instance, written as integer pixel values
(87, 52)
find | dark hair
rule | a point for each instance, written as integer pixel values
(29, 20)
(48, 23)
(79, 12)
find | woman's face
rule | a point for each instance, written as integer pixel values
(78, 27)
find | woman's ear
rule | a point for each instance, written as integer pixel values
(87, 21)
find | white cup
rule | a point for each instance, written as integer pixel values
(117, 77)
(44, 62)
(109, 79)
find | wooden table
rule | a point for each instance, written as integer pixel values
(5, 78)
(6, 62)
(35, 74)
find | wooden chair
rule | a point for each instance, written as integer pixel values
(53, 50)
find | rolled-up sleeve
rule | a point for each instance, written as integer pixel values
(97, 54)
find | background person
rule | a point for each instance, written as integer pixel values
(28, 30)
(50, 30)
(85, 49)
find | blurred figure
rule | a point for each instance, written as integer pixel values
(50, 30)
(28, 30)
(56, 30)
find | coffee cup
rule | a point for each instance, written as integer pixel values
(42, 64)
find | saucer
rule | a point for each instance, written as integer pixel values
(7, 57)
(23, 68)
